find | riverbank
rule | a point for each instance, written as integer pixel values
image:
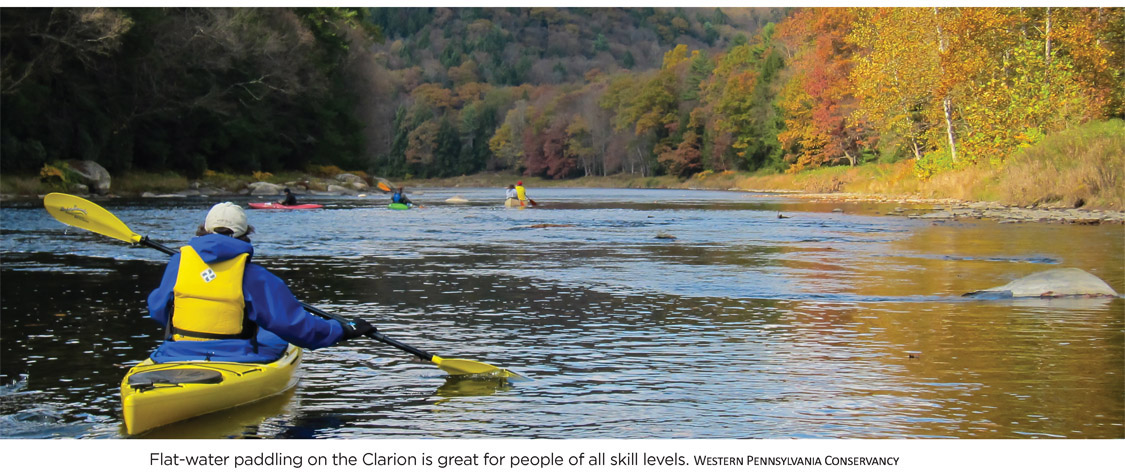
(1076, 176)
(946, 197)
(939, 201)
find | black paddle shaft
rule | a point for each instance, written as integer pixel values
(421, 354)
(378, 336)
(149, 243)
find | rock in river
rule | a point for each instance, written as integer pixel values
(1051, 283)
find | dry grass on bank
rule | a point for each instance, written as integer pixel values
(138, 182)
(21, 185)
(1082, 167)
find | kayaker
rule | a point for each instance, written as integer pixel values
(521, 194)
(399, 197)
(511, 198)
(216, 305)
(290, 199)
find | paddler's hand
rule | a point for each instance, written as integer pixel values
(357, 328)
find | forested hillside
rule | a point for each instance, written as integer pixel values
(529, 88)
(181, 89)
(550, 92)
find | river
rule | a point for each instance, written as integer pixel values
(633, 313)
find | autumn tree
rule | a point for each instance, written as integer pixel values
(818, 101)
(506, 143)
(964, 85)
(896, 78)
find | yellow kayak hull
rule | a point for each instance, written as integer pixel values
(148, 404)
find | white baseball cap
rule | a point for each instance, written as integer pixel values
(229, 215)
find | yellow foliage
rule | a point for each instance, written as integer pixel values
(325, 171)
(48, 172)
(262, 175)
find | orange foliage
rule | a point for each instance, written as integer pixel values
(818, 101)
(433, 95)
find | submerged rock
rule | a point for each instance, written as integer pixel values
(1049, 284)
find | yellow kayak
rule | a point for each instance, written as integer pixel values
(154, 395)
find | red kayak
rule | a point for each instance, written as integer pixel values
(274, 205)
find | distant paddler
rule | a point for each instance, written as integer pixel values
(521, 195)
(399, 197)
(290, 199)
(511, 197)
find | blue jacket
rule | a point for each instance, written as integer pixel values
(269, 304)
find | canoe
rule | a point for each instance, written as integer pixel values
(398, 206)
(512, 202)
(274, 205)
(154, 395)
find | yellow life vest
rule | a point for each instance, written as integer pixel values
(521, 193)
(207, 299)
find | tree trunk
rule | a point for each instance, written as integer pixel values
(1047, 49)
(641, 159)
(947, 102)
(605, 164)
(1047, 35)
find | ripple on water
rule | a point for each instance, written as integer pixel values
(743, 326)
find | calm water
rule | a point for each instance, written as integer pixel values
(823, 325)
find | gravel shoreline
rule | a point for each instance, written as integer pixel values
(955, 209)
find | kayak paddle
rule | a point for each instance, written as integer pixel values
(78, 212)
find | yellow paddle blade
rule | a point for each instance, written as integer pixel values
(472, 367)
(78, 212)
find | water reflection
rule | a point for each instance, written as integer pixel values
(470, 386)
(823, 325)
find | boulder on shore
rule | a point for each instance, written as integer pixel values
(93, 175)
(352, 181)
(336, 189)
(1050, 284)
(262, 188)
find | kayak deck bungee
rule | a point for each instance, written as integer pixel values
(274, 205)
(157, 394)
